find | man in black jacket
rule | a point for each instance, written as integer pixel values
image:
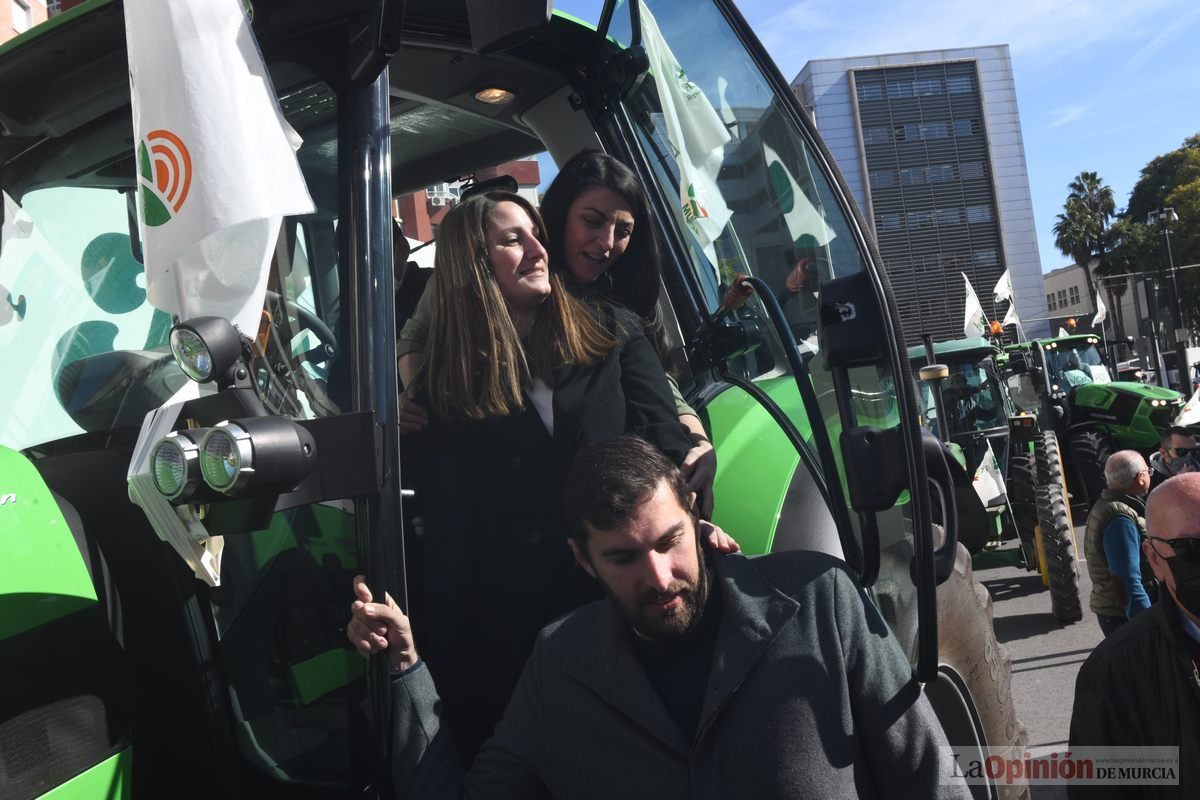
(1141, 686)
(736, 679)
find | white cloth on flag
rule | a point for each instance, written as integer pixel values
(216, 159)
(1189, 415)
(698, 137)
(1101, 311)
(1062, 332)
(974, 323)
(988, 480)
(1003, 290)
(1010, 317)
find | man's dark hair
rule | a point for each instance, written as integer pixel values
(609, 480)
(1175, 430)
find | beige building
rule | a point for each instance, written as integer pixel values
(18, 16)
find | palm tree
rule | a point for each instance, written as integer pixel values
(1080, 230)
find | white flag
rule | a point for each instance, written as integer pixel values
(1189, 415)
(216, 159)
(1010, 317)
(974, 323)
(1062, 332)
(1003, 290)
(698, 136)
(988, 480)
(1101, 311)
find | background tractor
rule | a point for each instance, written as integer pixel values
(1066, 382)
(965, 402)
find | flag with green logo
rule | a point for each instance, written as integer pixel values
(698, 136)
(974, 323)
(216, 160)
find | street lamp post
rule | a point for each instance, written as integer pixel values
(1165, 216)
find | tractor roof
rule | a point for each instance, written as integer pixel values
(972, 349)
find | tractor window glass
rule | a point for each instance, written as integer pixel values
(294, 683)
(74, 320)
(751, 195)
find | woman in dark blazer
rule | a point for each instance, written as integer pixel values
(517, 374)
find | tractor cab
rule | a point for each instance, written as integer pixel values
(1069, 384)
(266, 462)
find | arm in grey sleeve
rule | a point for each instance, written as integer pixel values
(425, 765)
(416, 330)
(901, 737)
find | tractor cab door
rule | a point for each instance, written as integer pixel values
(804, 387)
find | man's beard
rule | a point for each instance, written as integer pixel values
(676, 622)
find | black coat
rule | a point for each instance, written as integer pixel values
(497, 566)
(1137, 689)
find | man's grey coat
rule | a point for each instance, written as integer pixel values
(808, 696)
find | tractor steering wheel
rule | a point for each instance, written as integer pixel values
(326, 348)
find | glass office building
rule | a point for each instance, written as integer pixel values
(930, 143)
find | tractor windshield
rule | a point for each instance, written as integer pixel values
(973, 399)
(75, 322)
(1074, 364)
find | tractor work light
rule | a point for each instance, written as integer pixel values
(175, 465)
(266, 454)
(205, 347)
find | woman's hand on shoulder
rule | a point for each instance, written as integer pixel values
(716, 539)
(411, 417)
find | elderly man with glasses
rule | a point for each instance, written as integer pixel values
(1113, 542)
(1141, 686)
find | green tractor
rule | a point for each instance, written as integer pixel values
(964, 401)
(1066, 382)
(192, 644)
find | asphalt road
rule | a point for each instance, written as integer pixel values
(1046, 655)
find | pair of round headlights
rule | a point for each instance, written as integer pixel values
(266, 454)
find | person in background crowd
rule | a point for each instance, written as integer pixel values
(1140, 687)
(1116, 528)
(1176, 455)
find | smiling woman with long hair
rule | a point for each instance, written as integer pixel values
(517, 374)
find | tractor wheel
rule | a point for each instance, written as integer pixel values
(1049, 460)
(1058, 542)
(1022, 480)
(1090, 448)
(968, 647)
(1022, 502)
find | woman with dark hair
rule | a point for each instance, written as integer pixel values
(592, 210)
(517, 374)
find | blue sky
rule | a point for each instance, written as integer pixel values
(1100, 86)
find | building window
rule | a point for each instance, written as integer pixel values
(877, 135)
(920, 219)
(940, 173)
(900, 89)
(966, 127)
(1074, 295)
(869, 91)
(887, 222)
(22, 16)
(957, 84)
(912, 175)
(883, 178)
(1062, 298)
(979, 213)
(985, 258)
(971, 170)
(1050, 302)
(948, 216)
(934, 130)
(924, 87)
